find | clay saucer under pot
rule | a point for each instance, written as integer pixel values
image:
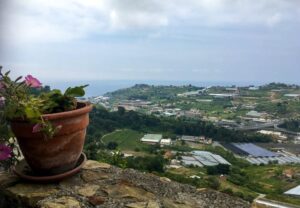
(23, 170)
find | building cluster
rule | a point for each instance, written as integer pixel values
(156, 139)
(100, 100)
(196, 139)
(253, 88)
(255, 114)
(223, 95)
(256, 117)
(276, 134)
(132, 105)
(230, 92)
(257, 155)
(171, 112)
(203, 158)
(297, 139)
(154, 109)
(189, 94)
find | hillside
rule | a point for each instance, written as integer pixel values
(275, 100)
(150, 92)
(125, 139)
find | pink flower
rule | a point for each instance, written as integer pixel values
(5, 152)
(32, 82)
(37, 128)
(58, 128)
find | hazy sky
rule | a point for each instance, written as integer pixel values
(200, 40)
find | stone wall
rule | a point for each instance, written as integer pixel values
(103, 185)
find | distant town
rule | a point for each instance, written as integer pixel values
(253, 108)
(270, 111)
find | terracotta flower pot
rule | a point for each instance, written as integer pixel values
(60, 153)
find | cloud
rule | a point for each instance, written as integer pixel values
(44, 20)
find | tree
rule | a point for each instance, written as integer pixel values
(213, 183)
(228, 191)
(148, 163)
(121, 110)
(112, 145)
(218, 169)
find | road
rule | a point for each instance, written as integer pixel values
(286, 131)
(259, 126)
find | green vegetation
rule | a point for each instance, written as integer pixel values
(229, 156)
(26, 100)
(270, 180)
(123, 129)
(243, 179)
(150, 92)
(125, 139)
(103, 122)
(281, 108)
(112, 145)
(278, 86)
(291, 125)
(218, 169)
(148, 163)
(268, 98)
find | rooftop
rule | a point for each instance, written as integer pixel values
(294, 191)
(165, 141)
(152, 138)
(223, 94)
(254, 150)
(255, 114)
(203, 158)
(292, 95)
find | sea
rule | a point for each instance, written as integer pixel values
(100, 87)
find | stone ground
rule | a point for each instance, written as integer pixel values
(104, 186)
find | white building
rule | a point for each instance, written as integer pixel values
(191, 93)
(255, 114)
(273, 133)
(232, 89)
(292, 95)
(253, 88)
(196, 139)
(293, 192)
(152, 138)
(223, 95)
(165, 142)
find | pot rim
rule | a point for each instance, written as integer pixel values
(68, 114)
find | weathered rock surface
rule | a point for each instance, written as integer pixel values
(105, 186)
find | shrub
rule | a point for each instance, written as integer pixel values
(213, 183)
(112, 145)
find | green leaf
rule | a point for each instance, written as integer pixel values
(20, 77)
(7, 73)
(31, 113)
(55, 91)
(75, 91)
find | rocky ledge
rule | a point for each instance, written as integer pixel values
(103, 185)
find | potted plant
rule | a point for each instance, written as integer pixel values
(49, 125)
